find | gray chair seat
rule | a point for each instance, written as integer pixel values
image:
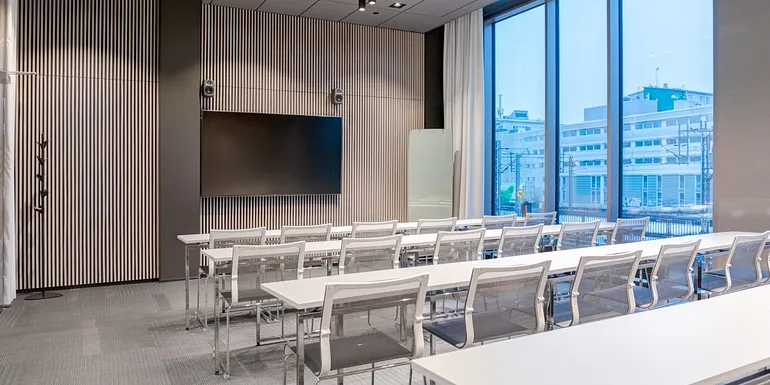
(486, 326)
(562, 312)
(642, 295)
(314, 263)
(347, 352)
(250, 295)
(226, 270)
(744, 275)
(715, 279)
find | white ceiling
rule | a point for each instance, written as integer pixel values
(417, 16)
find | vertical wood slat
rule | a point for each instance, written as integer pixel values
(95, 100)
(270, 63)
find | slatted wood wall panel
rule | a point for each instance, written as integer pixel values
(281, 64)
(95, 99)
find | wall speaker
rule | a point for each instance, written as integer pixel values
(208, 88)
(337, 96)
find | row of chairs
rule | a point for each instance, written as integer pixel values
(286, 261)
(506, 302)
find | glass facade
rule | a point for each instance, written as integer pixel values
(519, 132)
(666, 138)
(582, 95)
(668, 115)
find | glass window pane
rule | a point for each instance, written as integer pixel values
(668, 89)
(519, 132)
(583, 108)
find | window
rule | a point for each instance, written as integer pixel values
(665, 67)
(583, 87)
(519, 82)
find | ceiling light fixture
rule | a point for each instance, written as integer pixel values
(362, 5)
(372, 2)
(398, 5)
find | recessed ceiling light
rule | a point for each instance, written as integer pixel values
(372, 2)
(398, 5)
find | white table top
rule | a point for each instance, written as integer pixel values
(417, 240)
(702, 342)
(308, 293)
(194, 239)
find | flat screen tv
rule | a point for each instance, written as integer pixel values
(264, 154)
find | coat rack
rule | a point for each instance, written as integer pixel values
(42, 194)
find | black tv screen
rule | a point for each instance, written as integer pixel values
(263, 154)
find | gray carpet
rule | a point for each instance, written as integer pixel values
(134, 334)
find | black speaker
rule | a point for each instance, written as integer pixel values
(208, 88)
(337, 96)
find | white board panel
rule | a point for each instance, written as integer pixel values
(429, 174)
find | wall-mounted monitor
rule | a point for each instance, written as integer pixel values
(246, 154)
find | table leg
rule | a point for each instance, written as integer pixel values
(550, 295)
(187, 287)
(698, 276)
(300, 349)
(340, 331)
(216, 336)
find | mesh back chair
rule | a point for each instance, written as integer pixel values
(743, 267)
(369, 254)
(222, 239)
(251, 267)
(357, 327)
(519, 241)
(373, 229)
(629, 230)
(546, 219)
(501, 302)
(594, 278)
(577, 235)
(671, 278)
(433, 226)
(490, 222)
(496, 222)
(458, 246)
(315, 233)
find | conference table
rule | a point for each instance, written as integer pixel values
(703, 342)
(194, 242)
(224, 255)
(308, 294)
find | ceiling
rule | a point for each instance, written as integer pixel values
(417, 16)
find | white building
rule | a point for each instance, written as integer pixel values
(665, 134)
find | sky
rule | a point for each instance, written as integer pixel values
(675, 36)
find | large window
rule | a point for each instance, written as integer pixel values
(519, 111)
(662, 77)
(668, 114)
(582, 162)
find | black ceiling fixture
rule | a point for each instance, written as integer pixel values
(372, 2)
(362, 5)
(397, 5)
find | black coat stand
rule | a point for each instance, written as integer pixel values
(42, 194)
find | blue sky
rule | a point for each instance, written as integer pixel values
(673, 35)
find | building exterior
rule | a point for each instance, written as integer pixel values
(667, 159)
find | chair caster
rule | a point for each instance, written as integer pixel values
(226, 376)
(187, 329)
(216, 372)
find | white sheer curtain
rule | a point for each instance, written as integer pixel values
(464, 109)
(8, 267)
